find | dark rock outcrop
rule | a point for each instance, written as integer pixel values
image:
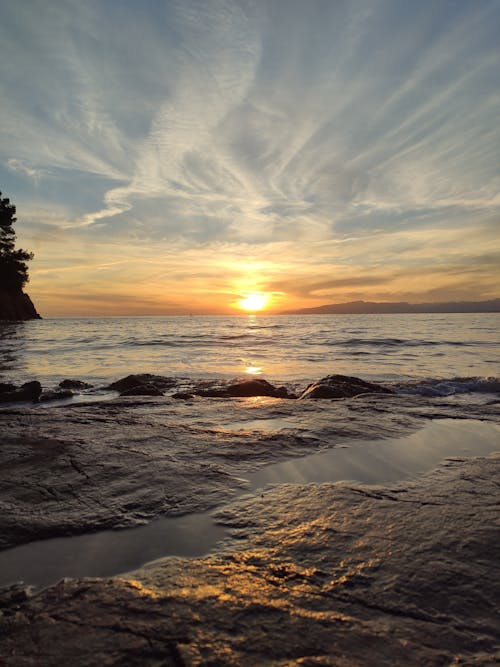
(30, 391)
(246, 389)
(16, 305)
(342, 386)
(142, 380)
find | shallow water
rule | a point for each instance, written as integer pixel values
(108, 553)
(390, 460)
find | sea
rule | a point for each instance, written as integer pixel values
(443, 353)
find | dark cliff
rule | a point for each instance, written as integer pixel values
(16, 305)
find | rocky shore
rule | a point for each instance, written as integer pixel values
(317, 574)
(84, 466)
(331, 574)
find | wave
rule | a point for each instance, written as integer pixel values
(444, 387)
(403, 342)
(195, 343)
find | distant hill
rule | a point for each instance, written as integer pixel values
(373, 307)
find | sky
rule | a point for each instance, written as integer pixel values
(178, 156)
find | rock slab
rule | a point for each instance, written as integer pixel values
(333, 574)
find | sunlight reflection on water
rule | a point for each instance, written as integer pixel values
(253, 370)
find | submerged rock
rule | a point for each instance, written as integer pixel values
(342, 386)
(29, 391)
(74, 384)
(55, 395)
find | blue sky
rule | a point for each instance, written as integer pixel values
(176, 156)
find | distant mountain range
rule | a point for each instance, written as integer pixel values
(373, 307)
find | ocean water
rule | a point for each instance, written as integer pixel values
(436, 352)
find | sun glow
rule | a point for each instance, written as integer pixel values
(253, 302)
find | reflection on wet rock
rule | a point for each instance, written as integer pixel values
(89, 466)
(331, 574)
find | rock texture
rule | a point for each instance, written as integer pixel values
(331, 574)
(121, 463)
(16, 305)
(342, 386)
(118, 463)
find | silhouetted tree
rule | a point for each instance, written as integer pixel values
(13, 267)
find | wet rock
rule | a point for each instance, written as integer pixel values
(122, 462)
(141, 380)
(74, 384)
(6, 387)
(252, 388)
(342, 386)
(116, 464)
(331, 574)
(246, 389)
(30, 391)
(55, 395)
(142, 390)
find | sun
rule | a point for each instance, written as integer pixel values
(253, 302)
